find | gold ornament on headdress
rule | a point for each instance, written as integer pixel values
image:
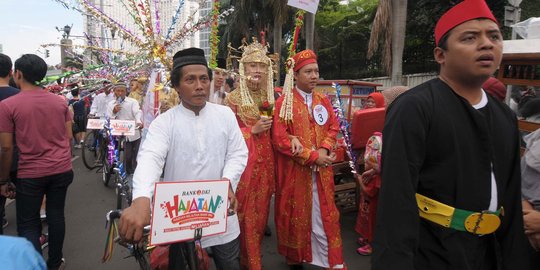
(255, 53)
(286, 111)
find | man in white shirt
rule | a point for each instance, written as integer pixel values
(126, 108)
(217, 90)
(99, 105)
(197, 140)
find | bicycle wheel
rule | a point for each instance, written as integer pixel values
(89, 153)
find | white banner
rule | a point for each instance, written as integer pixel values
(307, 5)
(95, 124)
(118, 127)
(122, 127)
(180, 208)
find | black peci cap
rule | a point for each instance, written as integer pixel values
(189, 56)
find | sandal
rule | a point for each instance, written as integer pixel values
(365, 250)
(362, 241)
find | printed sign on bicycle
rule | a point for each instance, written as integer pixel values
(180, 208)
(95, 123)
(123, 127)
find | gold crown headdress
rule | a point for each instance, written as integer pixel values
(255, 53)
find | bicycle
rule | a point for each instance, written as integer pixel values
(182, 256)
(98, 151)
(121, 181)
(115, 163)
(93, 151)
(114, 156)
(140, 251)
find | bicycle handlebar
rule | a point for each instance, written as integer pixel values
(114, 214)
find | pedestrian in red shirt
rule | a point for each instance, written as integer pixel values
(41, 123)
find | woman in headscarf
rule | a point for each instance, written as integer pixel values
(370, 182)
(374, 100)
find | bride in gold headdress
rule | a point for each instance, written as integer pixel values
(253, 103)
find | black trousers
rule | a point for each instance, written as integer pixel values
(30, 192)
(131, 150)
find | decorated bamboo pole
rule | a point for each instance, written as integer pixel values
(344, 126)
(286, 110)
(214, 37)
(298, 22)
(174, 19)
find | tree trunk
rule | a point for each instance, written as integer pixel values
(399, 20)
(310, 29)
(277, 31)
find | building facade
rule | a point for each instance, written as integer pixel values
(204, 39)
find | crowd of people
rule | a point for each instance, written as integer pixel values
(443, 185)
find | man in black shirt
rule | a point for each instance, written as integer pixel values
(450, 194)
(5, 74)
(5, 92)
(78, 107)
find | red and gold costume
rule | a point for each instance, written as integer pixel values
(296, 176)
(257, 183)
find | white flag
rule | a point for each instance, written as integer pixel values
(307, 5)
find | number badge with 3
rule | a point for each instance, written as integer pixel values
(320, 114)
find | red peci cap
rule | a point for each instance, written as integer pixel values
(460, 13)
(303, 58)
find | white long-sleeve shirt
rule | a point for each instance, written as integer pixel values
(130, 110)
(99, 105)
(209, 146)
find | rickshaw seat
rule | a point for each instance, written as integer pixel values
(364, 123)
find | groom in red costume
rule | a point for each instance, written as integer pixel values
(307, 220)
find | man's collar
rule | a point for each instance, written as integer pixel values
(189, 112)
(302, 92)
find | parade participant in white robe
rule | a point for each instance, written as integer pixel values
(126, 108)
(99, 104)
(197, 140)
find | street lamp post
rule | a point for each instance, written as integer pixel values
(66, 44)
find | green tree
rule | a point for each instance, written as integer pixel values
(248, 20)
(341, 43)
(281, 14)
(529, 8)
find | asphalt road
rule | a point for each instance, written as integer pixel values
(88, 201)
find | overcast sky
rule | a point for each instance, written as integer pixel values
(26, 24)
